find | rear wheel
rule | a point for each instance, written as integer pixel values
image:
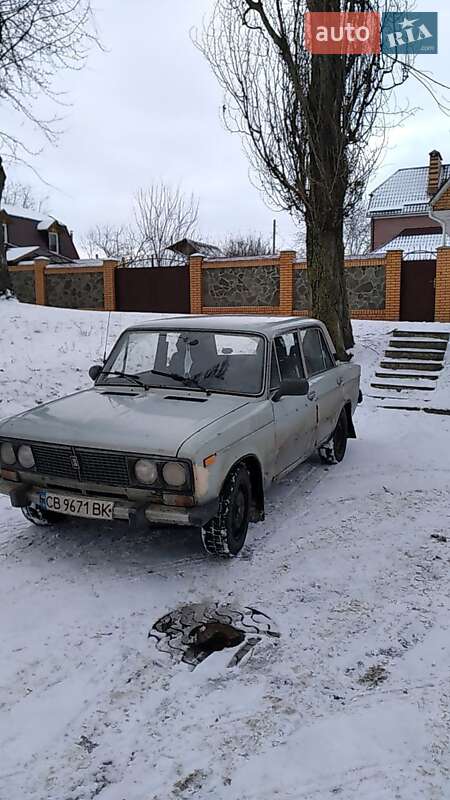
(41, 517)
(334, 450)
(225, 535)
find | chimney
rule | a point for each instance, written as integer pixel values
(434, 172)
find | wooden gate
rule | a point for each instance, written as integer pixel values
(418, 291)
(164, 290)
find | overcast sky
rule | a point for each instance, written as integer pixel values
(148, 108)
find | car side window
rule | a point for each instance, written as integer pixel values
(329, 363)
(289, 356)
(315, 351)
(274, 372)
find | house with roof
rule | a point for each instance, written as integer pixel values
(410, 212)
(29, 234)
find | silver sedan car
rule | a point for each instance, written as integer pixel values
(189, 422)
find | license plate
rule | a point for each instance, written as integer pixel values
(77, 506)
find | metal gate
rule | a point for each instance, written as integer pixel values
(418, 290)
(164, 290)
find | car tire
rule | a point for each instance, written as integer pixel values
(333, 451)
(41, 517)
(226, 533)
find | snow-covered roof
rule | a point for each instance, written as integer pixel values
(405, 192)
(25, 213)
(416, 247)
(45, 221)
(188, 247)
(15, 253)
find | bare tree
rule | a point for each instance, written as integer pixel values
(23, 195)
(308, 122)
(163, 216)
(112, 241)
(251, 244)
(357, 230)
(39, 38)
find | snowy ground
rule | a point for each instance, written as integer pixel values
(351, 702)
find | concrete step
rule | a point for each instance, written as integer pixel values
(422, 355)
(418, 344)
(422, 334)
(408, 365)
(413, 376)
(399, 388)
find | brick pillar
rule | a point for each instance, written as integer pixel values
(442, 303)
(286, 262)
(195, 283)
(393, 267)
(39, 280)
(109, 285)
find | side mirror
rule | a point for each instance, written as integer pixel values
(95, 371)
(293, 387)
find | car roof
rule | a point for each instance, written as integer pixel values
(252, 323)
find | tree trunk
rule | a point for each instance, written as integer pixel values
(328, 181)
(5, 278)
(325, 257)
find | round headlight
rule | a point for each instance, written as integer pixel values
(145, 471)
(7, 454)
(174, 474)
(25, 456)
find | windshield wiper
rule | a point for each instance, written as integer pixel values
(181, 379)
(128, 376)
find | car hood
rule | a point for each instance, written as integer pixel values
(153, 422)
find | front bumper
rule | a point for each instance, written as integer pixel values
(134, 513)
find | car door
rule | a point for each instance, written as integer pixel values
(324, 379)
(295, 417)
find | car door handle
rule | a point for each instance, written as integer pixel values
(312, 395)
(340, 381)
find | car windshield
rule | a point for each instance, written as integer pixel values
(199, 360)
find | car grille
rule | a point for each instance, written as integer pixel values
(92, 466)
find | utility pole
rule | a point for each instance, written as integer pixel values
(274, 237)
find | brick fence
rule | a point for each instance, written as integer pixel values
(84, 285)
(278, 285)
(265, 285)
(442, 309)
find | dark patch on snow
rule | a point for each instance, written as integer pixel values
(87, 744)
(443, 411)
(191, 633)
(190, 783)
(211, 637)
(374, 676)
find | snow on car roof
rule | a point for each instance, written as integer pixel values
(256, 323)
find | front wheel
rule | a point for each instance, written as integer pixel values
(41, 517)
(334, 450)
(226, 533)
